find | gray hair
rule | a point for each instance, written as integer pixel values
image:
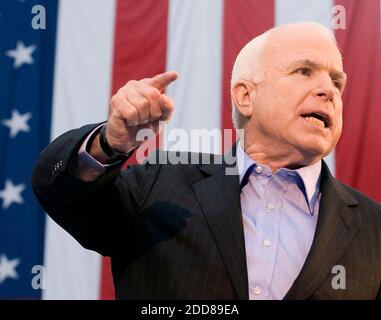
(248, 64)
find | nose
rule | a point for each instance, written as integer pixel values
(324, 88)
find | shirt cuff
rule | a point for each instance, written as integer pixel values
(88, 166)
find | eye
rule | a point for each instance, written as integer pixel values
(304, 71)
(338, 84)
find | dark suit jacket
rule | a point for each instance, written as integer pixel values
(176, 232)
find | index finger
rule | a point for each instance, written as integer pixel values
(161, 81)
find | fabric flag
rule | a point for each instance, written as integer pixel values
(26, 77)
(60, 77)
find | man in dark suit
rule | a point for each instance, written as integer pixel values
(273, 224)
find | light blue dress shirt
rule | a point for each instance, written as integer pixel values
(280, 212)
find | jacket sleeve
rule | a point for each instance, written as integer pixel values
(97, 214)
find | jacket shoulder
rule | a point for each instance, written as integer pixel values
(362, 199)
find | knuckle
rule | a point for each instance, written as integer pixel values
(131, 83)
(118, 111)
(169, 106)
(116, 106)
(152, 93)
(156, 114)
(144, 102)
(131, 121)
(130, 114)
(114, 100)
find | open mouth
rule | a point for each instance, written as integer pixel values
(317, 119)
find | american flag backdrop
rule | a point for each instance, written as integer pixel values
(61, 77)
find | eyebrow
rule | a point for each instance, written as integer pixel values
(335, 74)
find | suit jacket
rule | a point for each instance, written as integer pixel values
(176, 232)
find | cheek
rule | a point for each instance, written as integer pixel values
(339, 128)
(289, 100)
(279, 103)
(339, 119)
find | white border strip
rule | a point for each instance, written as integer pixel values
(195, 51)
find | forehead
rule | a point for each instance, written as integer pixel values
(284, 48)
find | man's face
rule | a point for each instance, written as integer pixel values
(298, 105)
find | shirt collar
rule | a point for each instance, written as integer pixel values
(311, 178)
(310, 175)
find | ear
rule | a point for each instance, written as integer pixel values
(241, 97)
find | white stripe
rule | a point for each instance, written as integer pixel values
(289, 11)
(195, 51)
(81, 93)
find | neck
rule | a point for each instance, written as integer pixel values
(277, 156)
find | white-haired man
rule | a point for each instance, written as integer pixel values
(281, 228)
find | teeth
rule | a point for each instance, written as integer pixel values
(315, 121)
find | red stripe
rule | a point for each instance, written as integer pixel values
(140, 40)
(359, 150)
(243, 20)
(140, 52)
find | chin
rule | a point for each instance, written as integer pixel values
(314, 151)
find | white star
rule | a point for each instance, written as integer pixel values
(11, 194)
(8, 268)
(18, 123)
(21, 54)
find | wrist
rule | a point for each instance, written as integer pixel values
(111, 153)
(95, 150)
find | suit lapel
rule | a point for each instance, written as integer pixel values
(337, 225)
(219, 198)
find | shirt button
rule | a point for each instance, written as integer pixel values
(257, 290)
(267, 243)
(259, 169)
(270, 206)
